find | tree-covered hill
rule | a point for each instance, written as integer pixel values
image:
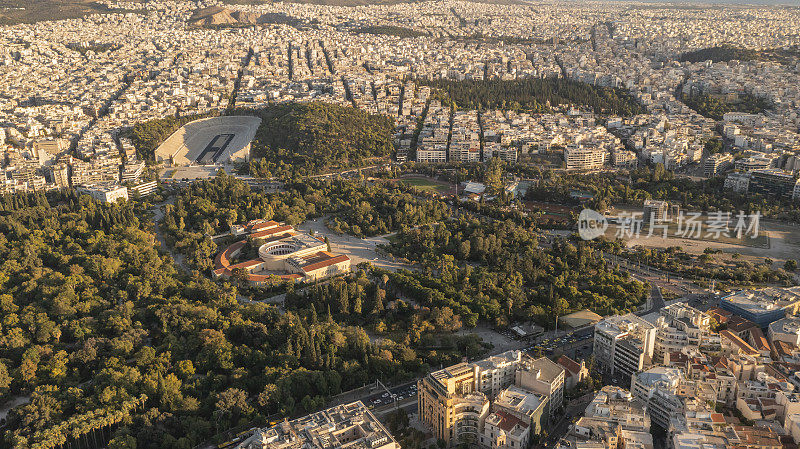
(536, 95)
(390, 30)
(716, 108)
(307, 138)
(728, 52)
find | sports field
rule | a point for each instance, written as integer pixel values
(211, 140)
(429, 185)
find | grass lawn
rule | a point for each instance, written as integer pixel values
(428, 185)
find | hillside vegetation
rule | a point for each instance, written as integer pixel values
(390, 30)
(307, 138)
(715, 108)
(536, 95)
(727, 52)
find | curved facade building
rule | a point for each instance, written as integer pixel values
(282, 252)
(214, 140)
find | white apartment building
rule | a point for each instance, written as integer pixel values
(502, 430)
(716, 163)
(496, 373)
(131, 172)
(523, 404)
(431, 155)
(59, 174)
(786, 330)
(753, 163)
(145, 188)
(583, 158)
(623, 158)
(465, 152)
(614, 419)
(738, 182)
(679, 326)
(742, 118)
(657, 388)
(624, 344)
(545, 377)
(105, 193)
(347, 425)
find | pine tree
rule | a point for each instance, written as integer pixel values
(313, 315)
(344, 300)
(378, 307)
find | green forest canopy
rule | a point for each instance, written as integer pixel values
(711, 107)
(308, 138)
(390, 30)
(361, 209)
(496, 271)
(536, 95)
(729, 52)
(111, 342)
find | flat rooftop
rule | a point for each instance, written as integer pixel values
(764, 300)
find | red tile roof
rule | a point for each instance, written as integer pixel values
(740, 325)
(508, 421)
(718, 418)
(322, 259)
(758, 339)
(719, 314)
(741, 344)
(271, 231)
(266, 224)
(223, 259)
(782, 348)
(569, 365)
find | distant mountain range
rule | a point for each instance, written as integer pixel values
(217, 16)
(29, 11)
(220, 17)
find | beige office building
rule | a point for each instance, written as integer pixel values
(448, 402)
